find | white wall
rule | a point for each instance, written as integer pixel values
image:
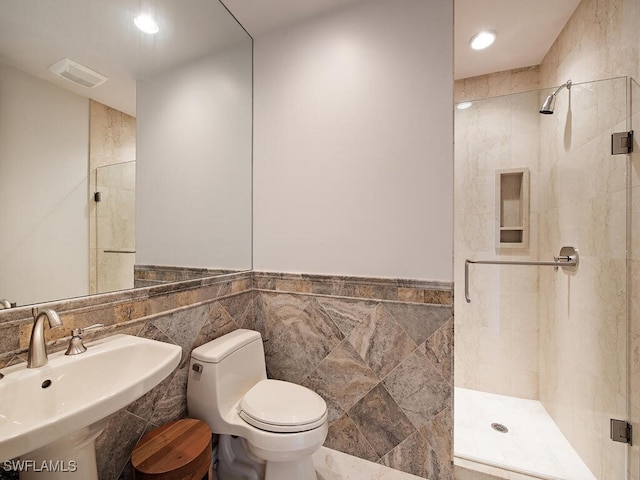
(44, 232)
(353, 159)
(193, 191)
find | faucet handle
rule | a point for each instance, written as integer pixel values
(76, 346)
(80, 331)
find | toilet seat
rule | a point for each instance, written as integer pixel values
(282, 407)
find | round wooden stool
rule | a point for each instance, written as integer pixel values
(179, 450)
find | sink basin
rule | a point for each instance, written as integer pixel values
(69, 401)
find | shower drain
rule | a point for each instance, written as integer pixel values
(498, 427)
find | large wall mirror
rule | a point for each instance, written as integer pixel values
(125, 157)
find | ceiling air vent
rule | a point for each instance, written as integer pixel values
(77, 73)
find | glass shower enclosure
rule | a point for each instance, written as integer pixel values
(114, 250)
(541, 358)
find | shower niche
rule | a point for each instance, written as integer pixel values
(512, 208)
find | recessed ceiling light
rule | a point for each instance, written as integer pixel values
(482, 40)
(146, 24)
(463, 105)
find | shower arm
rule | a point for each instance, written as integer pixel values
(568, 260)
(566, 85)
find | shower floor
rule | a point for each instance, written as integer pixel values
(533, 446)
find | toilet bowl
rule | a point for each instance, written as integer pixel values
(279, 424)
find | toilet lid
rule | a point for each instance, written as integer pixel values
(278, 406)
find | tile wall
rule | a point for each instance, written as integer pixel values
(583, 316)
(188, 327)
(150, 275)
(379, 351)
(497, 333)
(518, 80)
(601, 41)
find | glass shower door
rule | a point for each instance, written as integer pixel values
(541, 355)
(115, 224)
(583, 321)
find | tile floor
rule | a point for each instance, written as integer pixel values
(334, 465)
(533, 446)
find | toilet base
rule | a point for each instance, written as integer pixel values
(235, 462)
(301, 469)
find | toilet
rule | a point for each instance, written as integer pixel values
(268, 428)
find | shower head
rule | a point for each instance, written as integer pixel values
(550, 103)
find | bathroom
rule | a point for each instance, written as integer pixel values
(339, 238)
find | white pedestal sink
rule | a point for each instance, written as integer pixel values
(50, 416)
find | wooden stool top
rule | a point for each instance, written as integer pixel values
(175, 450)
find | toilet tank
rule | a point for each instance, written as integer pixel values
(221, 372)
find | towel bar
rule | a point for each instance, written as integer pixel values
(568, 260)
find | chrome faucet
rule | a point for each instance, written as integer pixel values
(37, 347)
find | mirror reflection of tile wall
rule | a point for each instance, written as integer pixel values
(115, 227)
(112, 150)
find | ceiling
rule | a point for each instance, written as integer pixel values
(100, 34)
(525, 29)
(35, 33)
